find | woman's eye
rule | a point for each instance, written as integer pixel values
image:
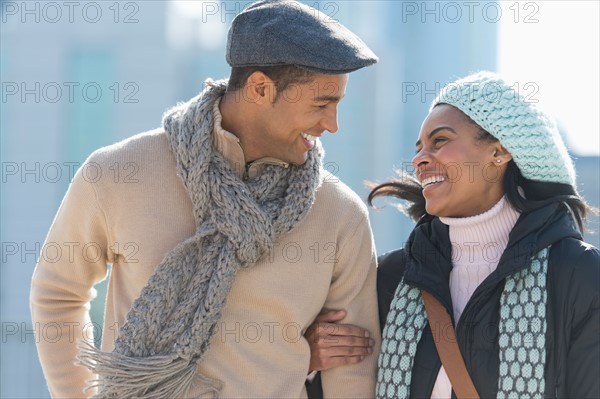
(439, 140)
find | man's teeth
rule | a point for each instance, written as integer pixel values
(308, 137)
(431, 180)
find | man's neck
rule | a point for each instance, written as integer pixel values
(238, 119)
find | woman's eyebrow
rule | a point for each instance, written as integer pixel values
(434, 131)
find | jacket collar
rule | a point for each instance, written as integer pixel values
(547, 225)
(430, 252)
(430, 258)
(231, 148)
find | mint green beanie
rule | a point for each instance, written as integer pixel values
(523, 129)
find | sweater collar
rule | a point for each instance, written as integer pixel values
(231, 148)
(484, 234)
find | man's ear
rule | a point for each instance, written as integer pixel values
(501, 155)
(260, 89)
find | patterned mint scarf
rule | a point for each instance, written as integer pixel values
(522, 332)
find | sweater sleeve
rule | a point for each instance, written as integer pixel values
(353, 288)
(62, 286)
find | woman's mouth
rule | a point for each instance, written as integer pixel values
(432, 180)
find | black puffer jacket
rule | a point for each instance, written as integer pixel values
(573, 306)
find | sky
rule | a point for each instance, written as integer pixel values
(551, 49)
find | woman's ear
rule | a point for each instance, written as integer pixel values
(501, 155)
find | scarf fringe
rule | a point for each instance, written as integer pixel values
(153, 377)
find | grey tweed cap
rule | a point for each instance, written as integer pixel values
(286, 32)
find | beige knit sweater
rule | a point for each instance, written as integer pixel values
(133, 218)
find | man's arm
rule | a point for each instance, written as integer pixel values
(349, 349)
(353, 288)
(62, 287)
(333, 345)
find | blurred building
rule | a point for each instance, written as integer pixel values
(79, 75)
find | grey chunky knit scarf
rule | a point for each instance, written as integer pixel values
(169, 327)
(521, 335)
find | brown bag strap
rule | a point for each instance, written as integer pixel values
(447, 347)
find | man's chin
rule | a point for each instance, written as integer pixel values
(300, 162)
(297, 159)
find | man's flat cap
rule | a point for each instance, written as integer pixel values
(286, 32)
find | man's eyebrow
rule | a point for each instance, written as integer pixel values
(329, 98)
(434, 131)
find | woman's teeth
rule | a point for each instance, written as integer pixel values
(431, 180)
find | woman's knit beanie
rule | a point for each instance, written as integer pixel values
(523, 129)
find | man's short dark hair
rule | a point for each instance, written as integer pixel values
(283, 76)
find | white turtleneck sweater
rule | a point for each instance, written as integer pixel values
(477, 245)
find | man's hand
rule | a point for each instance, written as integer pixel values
(333, 345)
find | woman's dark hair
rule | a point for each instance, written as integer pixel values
(283, 76)
(535, 195)
(404, 187)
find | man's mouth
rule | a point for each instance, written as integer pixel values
(308, 137)
(309, 140)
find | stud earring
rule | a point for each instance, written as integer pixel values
(498, 160)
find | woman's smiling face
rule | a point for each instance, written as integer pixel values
(460, 172)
